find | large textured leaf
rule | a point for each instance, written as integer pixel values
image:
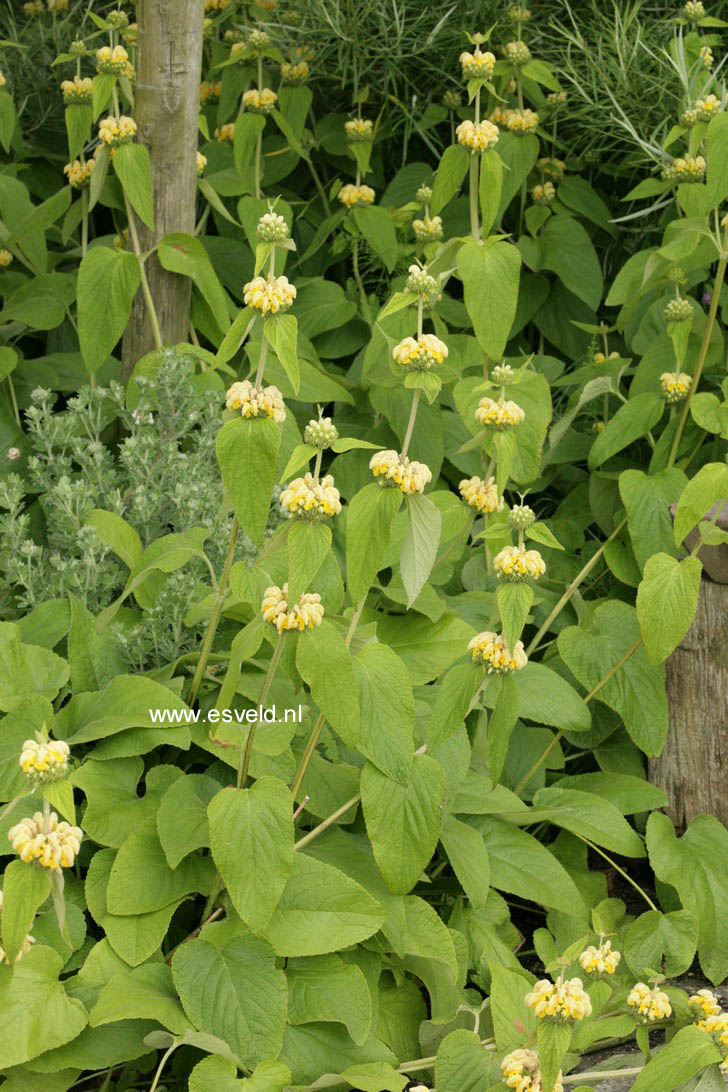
(325, 988)
(631, 421)
(589, 816)
(647, 499)
(134, 170)
(25, 889)
(144, 993)
(185, 254)
(567, 250)
(142, 856)
(27, 670)
(403, 821)
(386, 710)
(419, 548)
(490, 271)
(694, 865)
(235, 992)
(635, 689)
(368, 522)
(107, 283)
(325, 664)
(463, 1066)
(321, 910)
(654, 937)
(247, 452)
(31, 998)
(251, 835)
(469, 858)
(516, 858)
(667, 599)
(690, 1051)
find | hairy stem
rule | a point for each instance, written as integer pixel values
(267, 682)
(216, 613)
(411, 422)
(151, 309)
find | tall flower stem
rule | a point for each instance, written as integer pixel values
(261, 361)
(151, 309)
(267, 682)
(307, 755)
(705, 345)
(578, 579)
(216, 613)
(411, 422)
(474, 181)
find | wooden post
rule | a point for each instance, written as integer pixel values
(166, 110)
(693, 767)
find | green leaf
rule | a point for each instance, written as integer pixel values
(84, 651)
(300, 456)
(539, 532)
(386, 705)
(141, 856)
(403, 821)
(134, 938)
(29, 716)
(647, 500)
(654, 937)
(514, 603)
(708, 488)
(282, 334)
(27, 670)
(185, 254)
(308, 546)
(512, 1021)
(589, 816)
(248, 127)
(143, 993)
(247, 453)
(214, 1074)
(182, 824)
(368, 523)
(107, 283)
(234, 338)
(469, 859)
(667, 599)
(134, 170)
(421, 541)
(691, 1050)
(694, 866)
(8, 120)
(116, 533)
(567, 251)
(519, 154)
(251, 836)
(396, 302)
(125, 703)
(113, 808)
(547, 698)
(717, 160)
(490, 271)
(99, 175)
(321, 910)
(462, 1065)
(30, 998)
(25, 889)
(234, 991)
(41, 217)
(631, 421)
(449, 176)
(635, 689)
(553, 1042)
(455, 694)
(501, 724)
(516, 857)
(491, 183)
(325, 664)
(375, 224)
(324, 988)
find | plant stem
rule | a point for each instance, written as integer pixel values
(216, 612)
(84, 222)
(704, 346)
(245, 759)
(14, 400)
(473, 184)
(602, 1074)
(151, 310)
(355, 620)
(167, 1054)
(258, 156)
(617, 868)
(307, 755)
(357, 274)
(261, 361)
(592, 693)
(317, 464)
(319, 186)
(327, 822)
(411, 422)
(578, 579)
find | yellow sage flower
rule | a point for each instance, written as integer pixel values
(292, 74)
(78, 173)
(564, 1001)
(515, 563)
(226, 133)
(306, 613)
(114, 132)
(359, 130)
(648, 1005)
(78, 90)
(491, 650)
(600, 962)
(675, 385)
(5, 259)
(210, 92)
(44, 762)
(428, 230)
(521, 1072)
(307, 498)
(393, 469)
(421, 354)
(269, 295)
(112, 61)
(483, 496)
(45, 840)
(256, 401)
(499, 415)
(261, 101)
(351, 195)
(477, 65)
(477, 136)
(702, 1004)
